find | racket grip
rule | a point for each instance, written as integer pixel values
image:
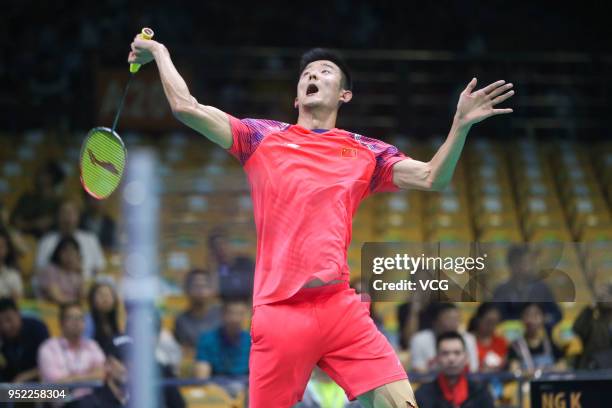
(145, 34)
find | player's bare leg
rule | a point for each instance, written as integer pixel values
(397, 394)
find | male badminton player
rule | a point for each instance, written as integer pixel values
(307, 180)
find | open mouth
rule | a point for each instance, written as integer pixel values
(311, 90)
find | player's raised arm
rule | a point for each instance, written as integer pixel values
(473, 107)
(207, 120)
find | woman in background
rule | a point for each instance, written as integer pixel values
(10, 279)
(492, 349)
(102, 322)
(62, 281)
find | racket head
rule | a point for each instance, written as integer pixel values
(102, 162)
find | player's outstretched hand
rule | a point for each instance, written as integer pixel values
(142, 51)
(476, 106)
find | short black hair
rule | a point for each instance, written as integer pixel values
(192, 274)
(451, 335)
(8, 304)
(516, 252)
(527, 305)
(63, 242)
(441, 308)
(67, 306)
(318, 54)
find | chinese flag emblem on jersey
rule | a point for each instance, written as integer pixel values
(349, 152)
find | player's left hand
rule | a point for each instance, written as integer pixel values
(474, 107)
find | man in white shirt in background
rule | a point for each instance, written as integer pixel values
(89, 245)
(423, 343)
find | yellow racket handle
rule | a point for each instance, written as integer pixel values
(145, 34)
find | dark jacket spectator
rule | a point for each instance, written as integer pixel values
(35, 211)
(525, 286)
(202, 313)
(452, 388)
(20, 339)
(593, 327)
(234, 274)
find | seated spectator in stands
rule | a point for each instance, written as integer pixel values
(95, 220)
(61, 281)
(225, 350)
(524, 285)
(102, 321)
(71, 357)
(20, 338)
(114, 393)
(35, 210)
(452, 388)
(168, 353)
(16, 237)
(534, 350)
(322, 392)
(593, 326)
(233, 273)
(492, 349)
(414, 315)
(423, 344)
(10, 278)
(91, 252)
(202, 313)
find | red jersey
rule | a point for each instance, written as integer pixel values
(306, 187)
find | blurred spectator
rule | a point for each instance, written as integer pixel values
(201, 314)
(414, 315)
(322, 392)
(423, 344)
(15, 235)
(594, 327)
(114, 393)
(20, 338)
(225, 350)
(62, 280)
(35, 210)
(534, 350)
(524, 285)
(10, 279)
(95, 220)
(168, 353)
(71, 357)
(234, 273)
(102, 321)
(492, 349)
(92, 256)
(452, 388)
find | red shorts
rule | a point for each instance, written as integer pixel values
(328, 326)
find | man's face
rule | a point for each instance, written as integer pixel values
(448, 320)
(533, 318)
(73, 324)
(452, 357)
(10, 324)
(68, 218)
(320, 85)
(200, 289)
(234, 315)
